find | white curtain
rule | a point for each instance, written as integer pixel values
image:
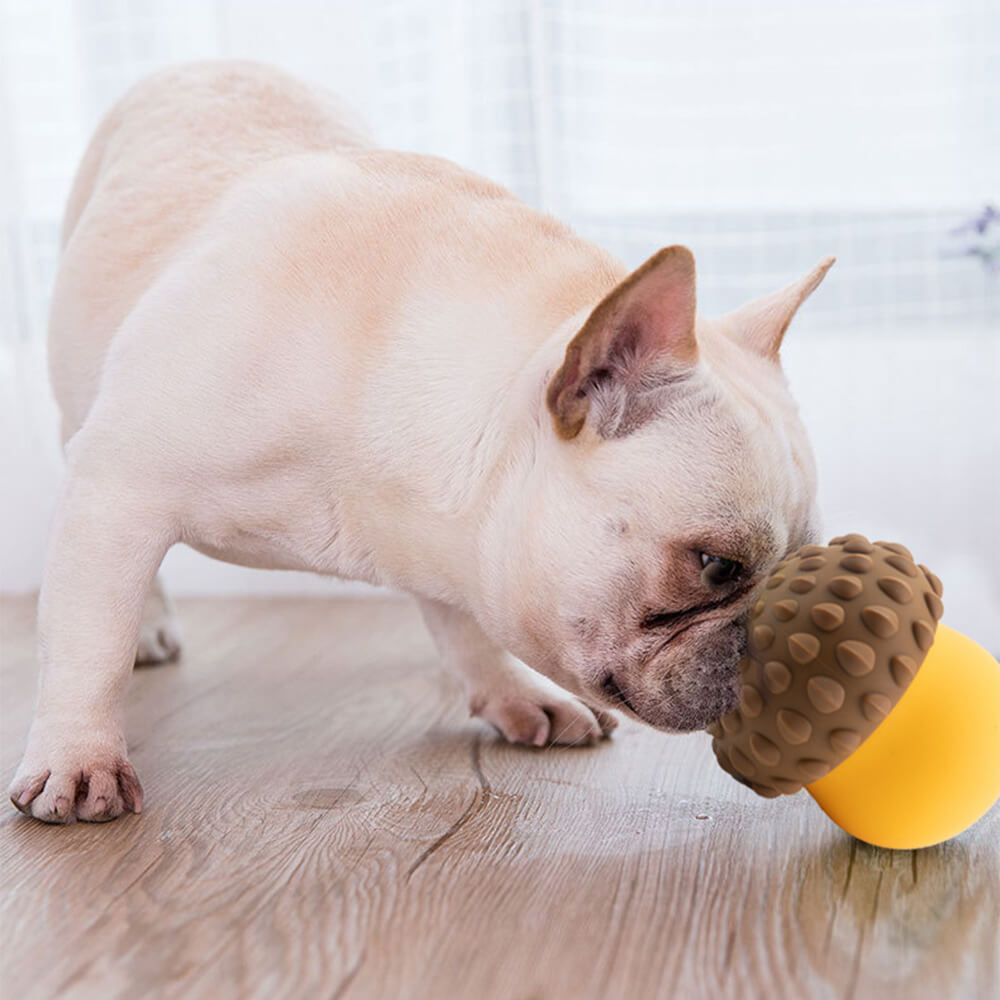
(763, 133)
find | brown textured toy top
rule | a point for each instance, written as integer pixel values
(835, 640)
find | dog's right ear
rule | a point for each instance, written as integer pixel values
(762, 323)
(640, 334)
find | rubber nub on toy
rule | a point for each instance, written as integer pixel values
(834, 642)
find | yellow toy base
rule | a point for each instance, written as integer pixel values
(932, 768)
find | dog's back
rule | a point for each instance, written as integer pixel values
(158, 163)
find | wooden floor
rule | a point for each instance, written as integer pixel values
(323, 820)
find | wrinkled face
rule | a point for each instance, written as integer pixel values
(645, 552)
(674, 476)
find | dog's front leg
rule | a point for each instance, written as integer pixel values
(522, 704)
(107, 542)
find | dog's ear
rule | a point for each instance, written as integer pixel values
(761, 324)
(638, 337)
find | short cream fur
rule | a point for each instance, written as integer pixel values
(288, 348)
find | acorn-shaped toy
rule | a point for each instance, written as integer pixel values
(853, 690)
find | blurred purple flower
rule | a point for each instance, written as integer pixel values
(979, 223)
(986, 248)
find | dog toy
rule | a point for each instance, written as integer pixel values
(853, 690)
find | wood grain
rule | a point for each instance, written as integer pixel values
(324, 820)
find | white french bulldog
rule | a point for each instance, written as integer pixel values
(288, 348)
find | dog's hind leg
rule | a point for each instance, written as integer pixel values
(159, 638)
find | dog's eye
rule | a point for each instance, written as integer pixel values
(717, 571)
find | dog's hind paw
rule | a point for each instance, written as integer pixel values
(159, 638)
(159, 642)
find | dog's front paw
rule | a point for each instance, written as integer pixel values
(60, 781)
(539, 719)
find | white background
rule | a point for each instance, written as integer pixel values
(763, 134)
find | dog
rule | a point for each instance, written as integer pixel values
(288, 348)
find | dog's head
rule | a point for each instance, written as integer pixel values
(670, 475)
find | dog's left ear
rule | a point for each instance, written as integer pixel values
(761, 324)
(640, 335)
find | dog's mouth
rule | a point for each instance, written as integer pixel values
(688, 690)
(613, 692)
(687, 687)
